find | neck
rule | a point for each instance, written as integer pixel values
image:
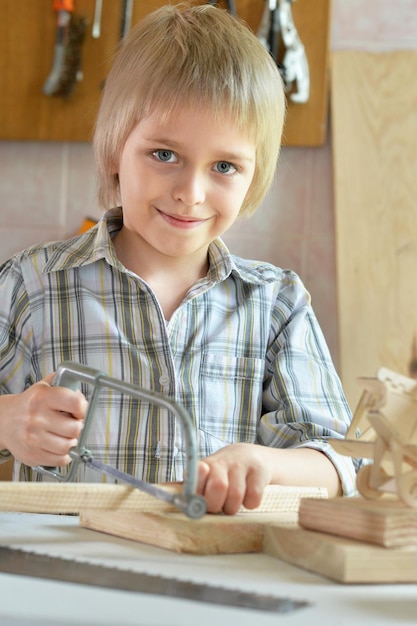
(170, 278)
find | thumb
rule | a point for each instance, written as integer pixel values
(49, 379)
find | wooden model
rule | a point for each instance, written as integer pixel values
(384, 429)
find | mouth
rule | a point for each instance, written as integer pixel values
(181, 221)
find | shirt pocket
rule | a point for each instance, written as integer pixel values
(231, 399)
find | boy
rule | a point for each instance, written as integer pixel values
(186, 141)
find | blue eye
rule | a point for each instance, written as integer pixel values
(165, 155)
(224, 167)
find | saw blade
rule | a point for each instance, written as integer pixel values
(24, 563)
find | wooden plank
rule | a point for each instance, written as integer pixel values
(74, 497)
(340, 559)
(212, 534)
(383, 522)
(374, 127)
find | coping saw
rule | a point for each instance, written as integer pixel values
(71, 375)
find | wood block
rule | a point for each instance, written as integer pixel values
(212, 534)
(388, 523)
(341, 559)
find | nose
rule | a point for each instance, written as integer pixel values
(190, 187)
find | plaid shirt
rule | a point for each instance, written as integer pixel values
(243, 353)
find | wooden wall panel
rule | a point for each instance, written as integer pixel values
(27, 34)
(374, 128)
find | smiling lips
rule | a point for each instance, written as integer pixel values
(181, 221)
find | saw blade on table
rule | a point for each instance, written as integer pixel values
(25, 563)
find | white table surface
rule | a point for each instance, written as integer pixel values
(28, 601)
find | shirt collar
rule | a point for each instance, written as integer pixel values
(96, 244)
(93, 245)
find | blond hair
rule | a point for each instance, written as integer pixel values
(199, 56)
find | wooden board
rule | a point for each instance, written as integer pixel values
(130, 513)
(383, 522)
(74, 497)
(27, 38)
(212, 534)
(276, 534)
(374, 128)
(340, 559)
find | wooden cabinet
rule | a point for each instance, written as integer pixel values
(27, 38)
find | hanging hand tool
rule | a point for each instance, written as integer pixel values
(70, 33)
(231, 6)
(71, 375)
(126, 21)
(96, 30)
(277, 25)
(295, 62)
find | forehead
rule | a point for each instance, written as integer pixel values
(198, 119)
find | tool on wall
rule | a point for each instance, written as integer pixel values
(126, 21)
(70, 34)
(230, 4)
(96, 30)
(71, 375)
(277, 31)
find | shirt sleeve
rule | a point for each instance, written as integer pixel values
(303, 401)
(15, 329)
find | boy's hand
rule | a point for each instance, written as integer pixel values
(234, 476)
(42, 424)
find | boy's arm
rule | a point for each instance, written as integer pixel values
(35, 424)
(303, 403)
(237, 474)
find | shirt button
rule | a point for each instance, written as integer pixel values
(164, 380)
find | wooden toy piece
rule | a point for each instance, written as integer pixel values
(387, 523)
(386, 418)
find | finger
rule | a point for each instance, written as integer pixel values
(49, 459)
(60, 446)
(64, 426)
(72, 403)
(236, 492)
(50, 378)
(255, 485)
(216, 488)
(203, 472)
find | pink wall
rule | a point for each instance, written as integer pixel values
(48, 188)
